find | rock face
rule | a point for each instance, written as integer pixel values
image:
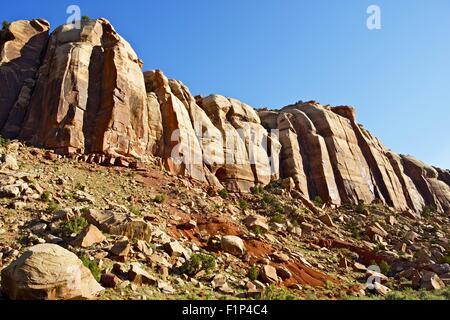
(22, 45)
(48, 272)
(90, 95)
(82, 91)
(329, 155)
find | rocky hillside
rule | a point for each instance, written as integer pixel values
(160, 192)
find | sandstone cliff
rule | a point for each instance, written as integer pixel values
(83, 91)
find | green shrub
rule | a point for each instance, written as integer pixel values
(385, 268)
(197, 263)
(85, 19)
(445, 259)
(73, 226)
(52, 206)
(160, 198)
(354, 229)
(136, 211)
(258, 190)
(91, 265)
(428, 211)
(224, 193)
(360, 207)
(5, 25)
(268, 199)
(253, 274)
(4, 142)
(318, 201)
(278, 218)
(257, 230)
(46, 196)
(243, 204)
(273, 293)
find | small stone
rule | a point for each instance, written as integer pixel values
(326, 219)
(139, 276)
(269, 274)
(39, 228)
(284, 273)
(431, 281)
(359, 267)
(121, 249)
(256, 221)
(233, 245)
(174, 249)
(88, 237)
(109, 280)
(391, 220)
(62, 214)
(307, 228)
(280, 257)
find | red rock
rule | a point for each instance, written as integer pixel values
(109, 280)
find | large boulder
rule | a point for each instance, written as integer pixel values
(48, 272)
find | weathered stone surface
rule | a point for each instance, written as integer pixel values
(233, 245)
(435, 192)
(88, 237)
(22, 45)
(431, 281)
(90, 96)
(269, 274)
(48, 272)
(82, 91)
(245, 143)
(119, 224)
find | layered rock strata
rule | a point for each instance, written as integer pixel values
(82, 91)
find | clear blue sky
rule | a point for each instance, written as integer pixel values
(273, 53)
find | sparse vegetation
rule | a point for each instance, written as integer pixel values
(278, 218)
(197, 263)
(360, 207)
(52, 206)
(253, 274)
(385, 268)
(318, 201)
(258, 190)
(93, 266)
(224, 193)
(3, 141)
(274, 293)
(160, 198)
(136, 211)
(243, 204)
(46, 196)
(5, 24)
(85, 19)
(428, 211)
(73, 226)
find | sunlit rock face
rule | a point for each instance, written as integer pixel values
(83, 91)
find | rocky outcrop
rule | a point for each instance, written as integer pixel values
(246, 160)
(330, 155)
(413, 197)
(83, 91)
(90, 96)
(435, 192)
(22, 45)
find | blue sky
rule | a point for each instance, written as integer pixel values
(273, 53)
